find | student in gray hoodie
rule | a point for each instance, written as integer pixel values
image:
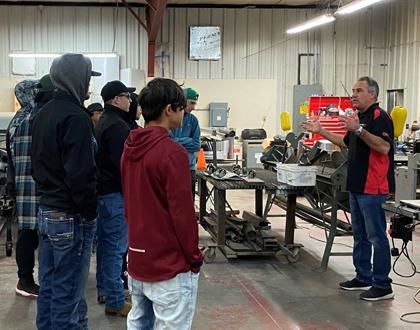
(64, 171)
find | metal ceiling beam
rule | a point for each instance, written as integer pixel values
(93, 3)
(134, 14)
(154, 16)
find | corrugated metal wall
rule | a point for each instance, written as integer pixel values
(382, 42)
(71, 29)
(254, 46)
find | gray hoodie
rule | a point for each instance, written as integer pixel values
(71, 73)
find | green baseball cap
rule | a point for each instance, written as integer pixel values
(45, 84)
(191, 95)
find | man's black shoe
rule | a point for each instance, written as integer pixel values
(354, 285)
(375, 294)
(30, 290)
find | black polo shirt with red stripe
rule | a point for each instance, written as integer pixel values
(370, 172)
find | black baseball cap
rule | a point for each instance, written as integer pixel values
(95, 107)
(114, 88)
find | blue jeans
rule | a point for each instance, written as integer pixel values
(111, 247)
(65, 244)
(369, 230)
(163, 305)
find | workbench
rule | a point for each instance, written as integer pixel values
(268, 182)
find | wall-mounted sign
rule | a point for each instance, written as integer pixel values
(205, 43)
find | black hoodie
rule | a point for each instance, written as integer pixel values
(62, 142)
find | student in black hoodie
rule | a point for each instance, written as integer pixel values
(64, 171)
(110, 133)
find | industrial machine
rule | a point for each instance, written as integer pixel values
(217, 143)
(329, 194)
(407, 179)
(252, 147)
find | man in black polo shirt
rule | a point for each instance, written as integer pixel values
(370, 178)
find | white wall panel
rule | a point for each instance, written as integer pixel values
(240, 44)
(204, 18)
(265, 44)
(228, 45)
(252, 44)
(216, 69)
(179, 40)
(192, 18)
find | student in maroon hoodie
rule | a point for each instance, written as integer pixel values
(163, 255)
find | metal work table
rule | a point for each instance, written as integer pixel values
(274, 188)
(269, 183)
(410, 211)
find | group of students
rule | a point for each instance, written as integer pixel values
(130, 187)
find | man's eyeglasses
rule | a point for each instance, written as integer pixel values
(125, 95)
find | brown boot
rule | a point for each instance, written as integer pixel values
(123, 312)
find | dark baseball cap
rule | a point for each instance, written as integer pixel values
(95, 107)
(114, 88)
(45, 84)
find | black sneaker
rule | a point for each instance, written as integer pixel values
(375, 294)
(30, 291)
(354, 285)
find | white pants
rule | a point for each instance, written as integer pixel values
(163, 305)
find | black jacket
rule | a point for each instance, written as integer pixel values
(111, 131)
(62, 157)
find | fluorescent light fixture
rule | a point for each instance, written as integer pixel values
(53, 55)
(354, 6)
(101, 55)
(320, 20)
(34, 55)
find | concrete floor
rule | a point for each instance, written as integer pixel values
(257, 293)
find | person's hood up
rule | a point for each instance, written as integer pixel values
(142, 140)
(25, 92)
(71, 73)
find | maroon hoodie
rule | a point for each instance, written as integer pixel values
(162, 227)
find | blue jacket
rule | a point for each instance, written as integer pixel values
(188, 135)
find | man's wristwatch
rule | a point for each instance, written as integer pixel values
(359, 131)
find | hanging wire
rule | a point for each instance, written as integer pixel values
(115, 23)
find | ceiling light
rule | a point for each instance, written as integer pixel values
(320, 20)
(34, 55)
(101, 55)
(354, 6)
(53, 55)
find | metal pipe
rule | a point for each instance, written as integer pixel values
(281, 201)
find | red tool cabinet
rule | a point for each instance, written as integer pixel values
(319, 107)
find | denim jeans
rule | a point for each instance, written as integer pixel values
(65, 244)
(89, 235)
(111, 247)
(163, 305)
(369, 230)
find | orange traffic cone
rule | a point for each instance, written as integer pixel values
(201, 161)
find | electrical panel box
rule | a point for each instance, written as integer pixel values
(218, 114)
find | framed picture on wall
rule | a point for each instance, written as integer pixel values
(205, 43)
